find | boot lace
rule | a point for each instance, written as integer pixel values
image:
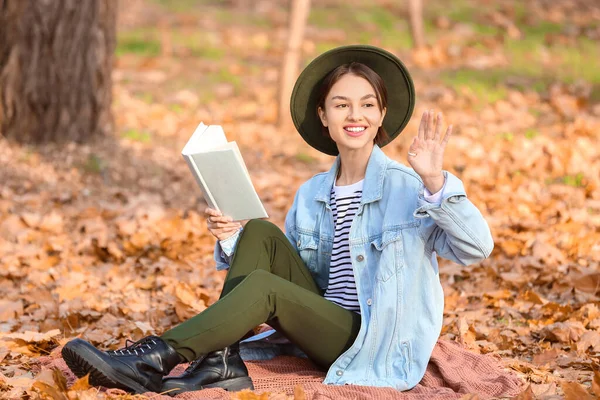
(135, 348)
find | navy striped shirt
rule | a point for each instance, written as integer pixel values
(344, 203)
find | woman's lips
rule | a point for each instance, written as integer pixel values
(354, 133)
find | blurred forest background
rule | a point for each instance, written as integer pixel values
(101, 228)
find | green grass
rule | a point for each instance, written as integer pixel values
(378, 17)
(93, 164)
(142, 42)
(366, 24)
(198, 45)
(531, 133)
(322, 47)
(146, 97)
(577, 180)
(485, 85)
(461, 10)
(176, 108)
(137, 136)
(323, 17)
(304, 157)
(566, 63)
(146, 42)
(573, 180)
(182, 5)
(225, 76)
(520, 10)
(208, 53)
(228, 17)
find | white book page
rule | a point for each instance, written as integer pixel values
(205, 138)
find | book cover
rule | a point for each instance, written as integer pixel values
(221, 174)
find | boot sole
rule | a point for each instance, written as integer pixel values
(231, 385)
(82, 361)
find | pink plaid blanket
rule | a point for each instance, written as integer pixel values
(453, 371)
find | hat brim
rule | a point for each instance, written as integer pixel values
(399, 85)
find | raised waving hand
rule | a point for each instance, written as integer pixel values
(426, 153)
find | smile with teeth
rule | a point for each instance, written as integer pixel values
(355, 128)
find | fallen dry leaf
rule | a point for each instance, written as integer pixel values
(574, 391)
(565, 332)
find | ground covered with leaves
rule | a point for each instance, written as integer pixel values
(106, 240)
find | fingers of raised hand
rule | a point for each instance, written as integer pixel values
(415, 145)
(438, 127)
(447, 136)
(423, 125)
(430, 124)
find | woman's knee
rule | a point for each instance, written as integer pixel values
(260, 280)
(262, 228)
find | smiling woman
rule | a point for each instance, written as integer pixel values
(353, 281)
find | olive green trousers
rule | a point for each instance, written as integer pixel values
(268, 282)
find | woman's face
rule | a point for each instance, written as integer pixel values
(352, 114)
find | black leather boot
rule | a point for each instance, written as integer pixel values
(222, 368)
(138, 367)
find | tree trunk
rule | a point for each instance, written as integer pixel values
(289, 71)
(55, 69)
(415, 8)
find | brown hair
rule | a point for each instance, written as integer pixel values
(365, 72)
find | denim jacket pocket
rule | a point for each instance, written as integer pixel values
(391, 250)
(307, 248)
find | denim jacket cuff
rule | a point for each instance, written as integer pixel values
(228, 245)
(224, 251)
(453, 188)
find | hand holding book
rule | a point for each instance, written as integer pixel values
(219, 225)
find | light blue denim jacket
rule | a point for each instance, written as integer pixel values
(394, 240)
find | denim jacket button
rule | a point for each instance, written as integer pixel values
(360, 257)
(369, 302)
(339, 372)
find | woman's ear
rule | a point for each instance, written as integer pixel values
(382, 116)
(322, 116)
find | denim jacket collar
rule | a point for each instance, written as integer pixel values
(373, 185)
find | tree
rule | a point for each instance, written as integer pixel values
(416, 22)
(289, 71)
(55, 69)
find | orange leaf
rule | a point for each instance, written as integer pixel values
(527, 394)
(49, 390)
(596, 383)
(299, 393)
(574, 391)
(589, 283)
(59, 380)
(82, 383)
(247, 394)
(546, 357)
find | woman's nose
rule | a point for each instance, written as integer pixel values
(354, 113)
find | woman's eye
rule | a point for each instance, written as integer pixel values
(369, 105)
(340, 105)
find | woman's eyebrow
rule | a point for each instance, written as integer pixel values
(345, 98)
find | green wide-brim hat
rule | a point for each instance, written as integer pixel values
(399, 85)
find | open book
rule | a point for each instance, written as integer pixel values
(221, 173)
